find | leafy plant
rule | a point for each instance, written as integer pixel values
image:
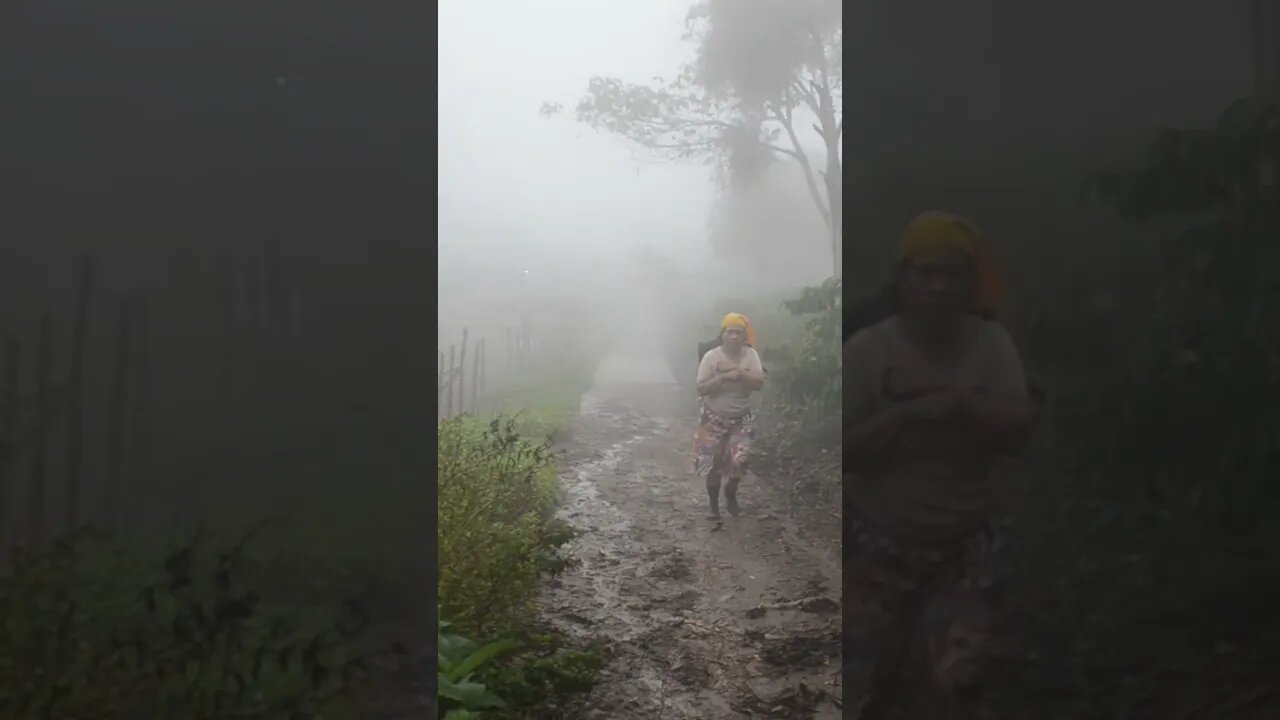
(90, 631)
(545, 677)
(498, 538)
(806, 386)
(457, 662)
(1194, 425)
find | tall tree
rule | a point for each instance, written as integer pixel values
(766, 72)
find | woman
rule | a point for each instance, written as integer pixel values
(727, 375)
(935, 396)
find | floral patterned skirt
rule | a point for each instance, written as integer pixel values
(723, 444)
(887, 583)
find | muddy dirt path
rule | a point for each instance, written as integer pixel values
(704, 620)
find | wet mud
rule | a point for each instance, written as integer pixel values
(732, 619)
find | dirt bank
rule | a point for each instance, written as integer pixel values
(703, 620)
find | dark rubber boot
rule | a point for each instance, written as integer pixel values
(713, 494)
(731, 496)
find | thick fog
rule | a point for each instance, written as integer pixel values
(538, 209)
(258, 173)
(997, 108)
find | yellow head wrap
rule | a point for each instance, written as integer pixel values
(739, 320)
(935, 231)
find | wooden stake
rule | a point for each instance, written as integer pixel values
(462, 380)
(475, 375)
(448, 411)
(75, 393)
(9, 431)
(44, 414)
(119, 404)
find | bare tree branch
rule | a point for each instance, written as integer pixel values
(784, 119)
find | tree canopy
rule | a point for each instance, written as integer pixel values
(765, 85)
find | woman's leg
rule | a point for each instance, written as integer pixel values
(713, 492)
(708, 456)
(935, 637)
(885, 587)
(895, 675)
(873, 596)
(737, 454)
(731, 494)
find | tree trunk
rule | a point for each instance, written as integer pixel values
(833, 176)
(828, 128)
(835, 195)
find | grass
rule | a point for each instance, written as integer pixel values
(545, 401)
(339, 511)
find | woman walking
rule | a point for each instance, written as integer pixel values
(935, 396)
(727, 375)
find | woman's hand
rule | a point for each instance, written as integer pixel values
(867, 440)
(940, 404)
(911, 381)
(711, 385)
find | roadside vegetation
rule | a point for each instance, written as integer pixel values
(274, 615)
(499, 541)
(1151, 541)
(92, 629)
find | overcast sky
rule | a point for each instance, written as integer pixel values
(509, 175)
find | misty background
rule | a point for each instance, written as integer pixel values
(586, 214)
(998, 109)
(247, 185)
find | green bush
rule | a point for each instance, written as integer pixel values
(497, 536)
(1192, 429)
(803, 393)
(498, 540)
(89, 630)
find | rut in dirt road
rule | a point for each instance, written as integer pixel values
(704, 620)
